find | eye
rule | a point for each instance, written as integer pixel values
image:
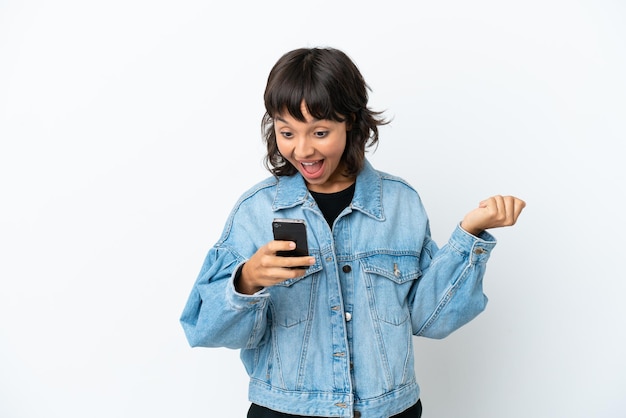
(286, 134)
(320, 134)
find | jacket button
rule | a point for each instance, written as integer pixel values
(346, 269)
(357, 414)
(348, 316)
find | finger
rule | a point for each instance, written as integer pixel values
(280, 274)
(275, 246)
(298, 262)
(495, 209)
(510, 215)
(513, 208)
(493, 203)
(290, 274)
(519, 206)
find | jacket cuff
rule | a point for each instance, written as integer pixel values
(241, 301)
(478, 248)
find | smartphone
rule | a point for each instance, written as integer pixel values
(291, 230)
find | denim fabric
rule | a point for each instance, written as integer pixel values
(338, 339)
(257, 411)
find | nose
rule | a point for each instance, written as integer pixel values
(303, 148)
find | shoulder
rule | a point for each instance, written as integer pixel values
(263, 188)
(392, 184)
(391, 179)
(371, 175)
(399, 194)
(256, 199)
(381, 194)
(252, 207)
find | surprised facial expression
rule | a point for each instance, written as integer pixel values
(314, 147)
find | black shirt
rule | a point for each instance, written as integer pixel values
(331, 204)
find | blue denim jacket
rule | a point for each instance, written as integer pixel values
(339, 339)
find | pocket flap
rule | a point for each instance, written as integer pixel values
(396, 267)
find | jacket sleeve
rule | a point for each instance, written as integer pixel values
(215, 315)
(449, 293)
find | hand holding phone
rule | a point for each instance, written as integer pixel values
(264, 269)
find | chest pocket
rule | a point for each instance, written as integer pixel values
(388, 279)
(293, 300)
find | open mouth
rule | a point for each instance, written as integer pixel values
(312, 168)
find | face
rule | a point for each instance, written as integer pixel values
(314, 148)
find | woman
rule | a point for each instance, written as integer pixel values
(334, 338)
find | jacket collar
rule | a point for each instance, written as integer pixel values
(291, 191)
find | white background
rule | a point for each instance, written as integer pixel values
(129, 128)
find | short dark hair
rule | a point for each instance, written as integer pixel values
(332, 87)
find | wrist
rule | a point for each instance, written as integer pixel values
(241, 285)
(471, 230)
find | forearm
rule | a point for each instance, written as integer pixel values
(450, 292)
(216, 315)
